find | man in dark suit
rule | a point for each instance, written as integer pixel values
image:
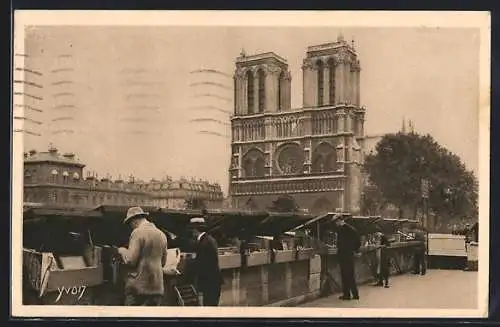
(383, 260)
(420, 263)
(208, 274)
(348, 244)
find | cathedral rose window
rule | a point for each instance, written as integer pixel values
(291, 160)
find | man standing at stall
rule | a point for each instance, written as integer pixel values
(208, 274)
(145, 257)
(420, 260)
(348, 244)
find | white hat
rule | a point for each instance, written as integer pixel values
(197, 222)
(135, 212)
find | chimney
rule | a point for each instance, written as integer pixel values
(52, 150)
(69, 156)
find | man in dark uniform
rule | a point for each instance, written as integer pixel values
(420, 264)
(348, 244)
(208, 274)
(383, 260)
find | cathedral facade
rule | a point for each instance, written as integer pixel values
(310, 156)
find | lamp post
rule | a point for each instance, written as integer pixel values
(425, 197)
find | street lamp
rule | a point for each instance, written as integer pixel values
(425, 196)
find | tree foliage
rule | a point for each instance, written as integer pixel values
(284, 204)
(372, 200)
(402, 161)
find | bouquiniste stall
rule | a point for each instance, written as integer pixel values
(266, 258)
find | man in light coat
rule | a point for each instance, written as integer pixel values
(145, 257)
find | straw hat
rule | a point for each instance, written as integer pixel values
(135, 212)
(197, 223)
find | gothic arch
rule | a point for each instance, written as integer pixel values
(324, 158)
(250, 91)
(281, 90)
(261, 75)
(254, 163)
(321, 81)
(331, 79)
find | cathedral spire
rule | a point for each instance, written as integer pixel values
(411, 126)
(340, 38)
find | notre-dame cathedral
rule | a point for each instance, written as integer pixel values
(309, 156)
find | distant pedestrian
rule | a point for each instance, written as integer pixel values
(208, 274)
(348, 244)
(383, 260)
(145, 258)
(420, 260)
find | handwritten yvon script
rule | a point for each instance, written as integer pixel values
(75, 291)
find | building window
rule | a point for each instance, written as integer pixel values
(53, 196)
(331, 80)
(321, 82)
(262, 90)
(76, 198)
(65, 177)
(27, 176)
(53, 176)
(250, 91)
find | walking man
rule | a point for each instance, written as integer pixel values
(145, 257)
(208, 274)
(348, 244)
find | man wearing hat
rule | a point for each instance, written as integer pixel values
(145, 257)
(208, 274)
(420, 263)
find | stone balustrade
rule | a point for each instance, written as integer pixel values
(328, 120)
(285, 278)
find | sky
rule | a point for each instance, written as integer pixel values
(428, 75)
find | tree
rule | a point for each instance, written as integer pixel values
(251, 205)
(402, 161)
(284, 204)
(372, 200)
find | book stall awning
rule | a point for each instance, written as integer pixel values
(106, 221)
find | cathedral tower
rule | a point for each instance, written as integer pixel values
(331, 75)
(262, 84)
(311, 156)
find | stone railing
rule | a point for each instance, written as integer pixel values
(283, 185)
(328, 120)
(281, 278)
